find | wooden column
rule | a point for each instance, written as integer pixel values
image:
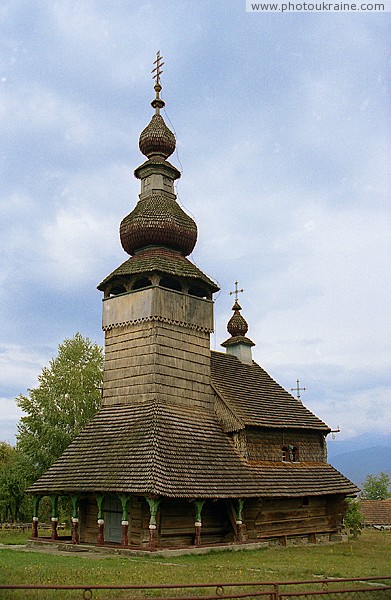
(153, 508)
(198, 522)
(36, 500)
(101, 523)
(239, 521)
(124, 499)
(54, 500)
(75, 519)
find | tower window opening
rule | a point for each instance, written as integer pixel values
(198, 291)
(171, 283)
(143, 282)
(118, 289)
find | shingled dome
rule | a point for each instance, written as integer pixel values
(237, 325)
(158, 220)
(157, 138)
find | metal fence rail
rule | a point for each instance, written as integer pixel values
(364, 588)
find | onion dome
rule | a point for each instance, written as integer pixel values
(157, 138)
(237, 325)
(158, 220)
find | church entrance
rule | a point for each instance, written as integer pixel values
(113, 518)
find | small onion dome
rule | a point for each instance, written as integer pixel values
(158, 221)
(237, 325)
(157, 138)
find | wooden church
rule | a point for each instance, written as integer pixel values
(191, 447)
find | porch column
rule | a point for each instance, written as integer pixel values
(54, 500)
(124, 499)
(101, 523)
(239, 521)
(36, 500)
(75, 519)
(153, 508)
(198, 523)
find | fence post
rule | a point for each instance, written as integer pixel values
(276, 591)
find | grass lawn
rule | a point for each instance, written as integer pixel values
(369, 556)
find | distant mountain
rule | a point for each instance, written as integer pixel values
(357, 464)
(336, 447)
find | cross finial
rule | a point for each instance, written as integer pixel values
(158, 69)
(298, 389)
(236, 292)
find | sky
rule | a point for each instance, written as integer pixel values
(281, 123)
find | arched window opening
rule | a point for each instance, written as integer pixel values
(143, 282)
(171, 283)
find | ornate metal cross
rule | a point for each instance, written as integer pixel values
(298, 389)
(236, 292)
(158, 69)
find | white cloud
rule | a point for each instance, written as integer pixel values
(9, 411)
(21, 366)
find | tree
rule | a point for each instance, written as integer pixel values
(67, 397)
(353, 519)
(13, 481)
(376, 488)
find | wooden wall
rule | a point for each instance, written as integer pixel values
(151, 359)
(177, 518)
(266, 444)
(285, 517)
(175, 522)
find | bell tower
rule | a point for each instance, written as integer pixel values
(157, 306)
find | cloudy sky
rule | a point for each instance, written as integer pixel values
(281, 125)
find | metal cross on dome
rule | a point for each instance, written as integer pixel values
(236, 292)
(158, 69)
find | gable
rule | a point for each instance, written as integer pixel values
(255, 398)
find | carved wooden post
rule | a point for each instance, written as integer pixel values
(125, 522)
(239, 522)
(54, 500)
(101, 523)
(36, 500)
(198, 523)
(153, 507)
(75, 519)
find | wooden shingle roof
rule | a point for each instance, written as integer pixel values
(255, 398)
(161, 260)
(175, 451)
(376, 512)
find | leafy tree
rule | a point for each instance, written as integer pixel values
(353, 519)
(376, 488)
(14, 469)
(67, 397)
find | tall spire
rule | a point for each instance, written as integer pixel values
(157, 139)
(157, 233)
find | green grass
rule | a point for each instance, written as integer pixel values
(370, 556)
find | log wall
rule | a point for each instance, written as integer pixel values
(266, 444)
(177, 518)
(286, 517)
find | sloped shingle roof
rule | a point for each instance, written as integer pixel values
(376, 512)
(161, 260)
(175, 451)
(255, 398)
